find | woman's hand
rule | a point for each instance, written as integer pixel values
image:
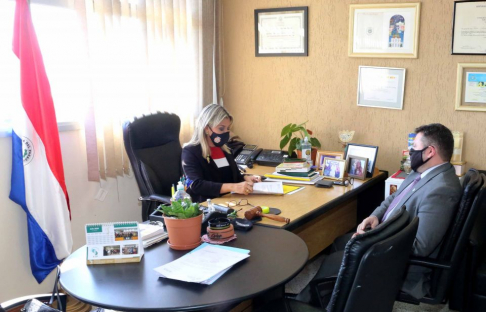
(245, 187)
(252, 178)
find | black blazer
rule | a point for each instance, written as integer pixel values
(206, 177)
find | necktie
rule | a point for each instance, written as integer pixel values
(398, 198)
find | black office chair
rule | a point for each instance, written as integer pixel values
(361, 284)
(153, 147)
(453, 248)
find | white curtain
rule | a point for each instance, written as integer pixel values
(145, 56)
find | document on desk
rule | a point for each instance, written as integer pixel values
(203, 265)
(274, 188)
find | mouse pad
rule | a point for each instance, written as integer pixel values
(274, 211)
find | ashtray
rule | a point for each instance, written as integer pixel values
(219, 224)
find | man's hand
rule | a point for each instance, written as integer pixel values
(370, 222)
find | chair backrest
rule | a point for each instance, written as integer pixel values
(355, 251)
(455, 241)
(153, 147)
(381, 272)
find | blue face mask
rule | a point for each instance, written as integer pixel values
(219, 139)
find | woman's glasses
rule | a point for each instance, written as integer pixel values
(241, 202)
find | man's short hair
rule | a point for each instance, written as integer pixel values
(440, 137)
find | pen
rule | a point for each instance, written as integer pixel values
(241, 168)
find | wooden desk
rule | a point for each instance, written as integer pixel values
(318, 215)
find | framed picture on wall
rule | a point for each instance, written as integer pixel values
(468, 28)
(326, 154)
(471, 87)
(381, 87)
(384, 30)
(281, 32)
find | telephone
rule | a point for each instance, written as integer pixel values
(270, 158)
(247, 154)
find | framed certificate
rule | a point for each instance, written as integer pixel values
(471, 87)
(381, 87)
(384, 30)
(469, 28)
(281, 32)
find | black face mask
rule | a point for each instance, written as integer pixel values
(220, 139)
(416, 158)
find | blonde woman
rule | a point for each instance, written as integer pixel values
(208, 162)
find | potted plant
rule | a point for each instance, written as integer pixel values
(294, 142)
(183, 223)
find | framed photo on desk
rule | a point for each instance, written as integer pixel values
(281, 32)
(366, 151)
(333, 169)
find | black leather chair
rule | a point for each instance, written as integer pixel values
(451, 254)
(360, 284)
(153, 147)
(475, 290)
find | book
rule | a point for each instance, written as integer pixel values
(300, 174)
(293, 180)
(282, 176)
(293, 167)
(291, 189)
(152, 234)
(114, 242)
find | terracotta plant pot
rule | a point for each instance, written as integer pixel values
(184, 234)
(313, 154)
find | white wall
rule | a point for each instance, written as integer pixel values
(120, 204)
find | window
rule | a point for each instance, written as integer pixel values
(64, 52)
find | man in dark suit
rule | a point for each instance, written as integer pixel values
(431, 192)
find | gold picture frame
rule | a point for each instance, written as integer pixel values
(385, 30)
(471, 87)
(323, 154)
(334, 169)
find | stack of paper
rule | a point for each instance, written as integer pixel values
(151, 234)
(276, 188)
(204, 264)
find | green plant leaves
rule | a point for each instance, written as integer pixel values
(181, 209)
(315, 142)
(287, 129)
(292, 145)
(284, 141)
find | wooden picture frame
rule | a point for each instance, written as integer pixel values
(471, 87)
(467, 26)
(281, 32)
(388, 30)
(323, 154)
(356, 167)
(334, 169)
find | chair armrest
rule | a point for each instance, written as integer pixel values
(156, 198)
(430, 263)
(20, 302)
(323, 288)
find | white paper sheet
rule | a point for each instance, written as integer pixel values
(201, 265)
